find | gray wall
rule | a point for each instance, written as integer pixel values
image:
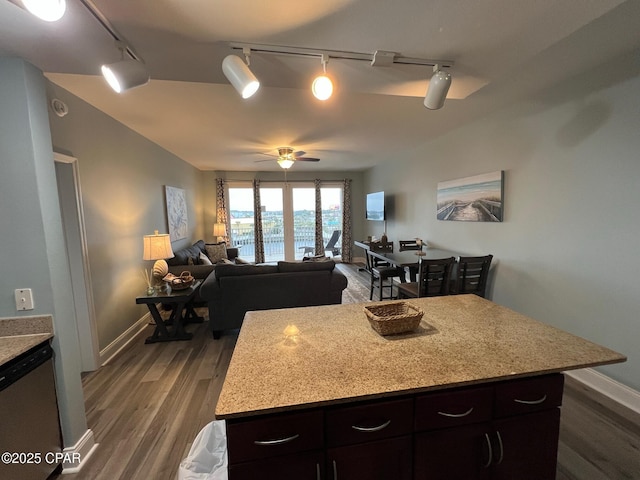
(33, 253)
(122, 177)
(567, 251)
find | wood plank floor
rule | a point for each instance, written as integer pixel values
(147, 405)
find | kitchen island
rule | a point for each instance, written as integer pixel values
(473, 373)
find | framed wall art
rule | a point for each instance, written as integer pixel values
(472, 199)
(176, 213)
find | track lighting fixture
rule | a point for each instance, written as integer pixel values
(47, 10)
(437, 89)
(125, 74)
(322, 87)
(238, 73)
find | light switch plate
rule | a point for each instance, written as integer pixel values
(24, 299)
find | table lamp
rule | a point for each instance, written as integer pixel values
(220, 231)
(158, 247)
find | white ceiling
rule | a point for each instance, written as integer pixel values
(502, 49)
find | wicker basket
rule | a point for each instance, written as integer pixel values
(184, 281)
(393, 318)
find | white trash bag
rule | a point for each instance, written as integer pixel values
(207, 458)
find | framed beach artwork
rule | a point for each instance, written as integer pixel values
(472, 199)
(176, 213)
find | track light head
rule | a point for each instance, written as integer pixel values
(238, 73)
(437, 89)
(125, 75)
(48, 10)
(322, 86)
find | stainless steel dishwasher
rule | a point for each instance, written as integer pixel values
(29, 424)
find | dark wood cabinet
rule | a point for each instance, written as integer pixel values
(503, 431)
(379, 460)
(516, 439)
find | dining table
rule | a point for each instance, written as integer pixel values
(410, 259)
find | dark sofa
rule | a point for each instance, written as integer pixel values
(233, 290)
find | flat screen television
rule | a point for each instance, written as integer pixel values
(375, 206)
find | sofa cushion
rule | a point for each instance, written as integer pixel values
(181, 257)
(216, 251)
(226, 270)
(285, 267)
(204, 260)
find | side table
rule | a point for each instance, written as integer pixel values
(181, 314)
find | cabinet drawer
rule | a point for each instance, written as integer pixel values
(517, 397)
(299, 466)
(367, 422)
(450, 409)
(274, 435)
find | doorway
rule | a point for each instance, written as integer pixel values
(288, 213)
(75, 242)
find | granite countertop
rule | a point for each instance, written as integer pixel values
(337, 357)
(19, 334)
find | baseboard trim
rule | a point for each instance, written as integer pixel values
(111, 350)
(77, 455)
(608, 387)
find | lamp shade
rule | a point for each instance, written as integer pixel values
(125, 74)
(285, 163)
(238, 73)
(437, 90)
(157, 247)
(219, 230)
(47, 10)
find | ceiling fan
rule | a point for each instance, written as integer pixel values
(287, 157)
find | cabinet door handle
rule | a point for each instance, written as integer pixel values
(501, 457)
(318, 471)
(490, 456)
(371, 429)
(531, 402)
(456, 415)
(278, 441)
(335, 471)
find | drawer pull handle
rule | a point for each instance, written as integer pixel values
(278, 441)
(335, 471)
(371, 429)
(501, 457)
(490, 451)
(531, 402)
(456, 415)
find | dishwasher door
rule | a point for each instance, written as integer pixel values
(29, 424)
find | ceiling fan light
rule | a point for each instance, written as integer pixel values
(285, 163)
(125, 75)
(239, 75)
(437, 90)
(322, 87)
(47, 10)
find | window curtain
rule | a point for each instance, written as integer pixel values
(221, 207)
(319, 242)
(347, 241)
(257, 219)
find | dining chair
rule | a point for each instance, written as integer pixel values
(472, 275)
(409, 245)
(382, 275)
(434, 279)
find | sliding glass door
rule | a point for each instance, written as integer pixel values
(288, 219)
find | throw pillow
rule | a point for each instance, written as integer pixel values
(216, 251)
(204, 260)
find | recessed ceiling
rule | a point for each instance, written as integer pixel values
(503, 49)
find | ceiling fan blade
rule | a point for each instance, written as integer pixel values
(307, 159)
(265, 160)
(299, 153)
